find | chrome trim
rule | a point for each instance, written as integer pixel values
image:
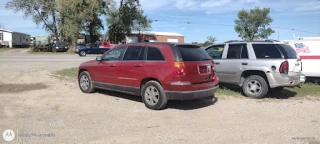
(180, 83)
(123, 78)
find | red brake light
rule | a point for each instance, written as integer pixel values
(284, 67)
(180, 68)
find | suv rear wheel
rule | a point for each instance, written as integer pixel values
(255, 86)
(153, 95)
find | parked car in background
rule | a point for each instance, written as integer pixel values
(156, 71)
(61, 46)
(257, 66)
(92, 49)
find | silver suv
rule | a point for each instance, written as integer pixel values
(257, 66)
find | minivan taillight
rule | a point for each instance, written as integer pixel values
(284, 67)
(179, 68)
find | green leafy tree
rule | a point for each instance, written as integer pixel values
(206, 43)
(253, 25)
(195, 43)
(41, 11)
(72, 24)
(82, 16)
(141, 23)
(92, 10)
(128, 17)
(211, 39)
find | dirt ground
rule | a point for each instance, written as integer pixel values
(33, 103)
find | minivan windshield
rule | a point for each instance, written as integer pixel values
(193, 54)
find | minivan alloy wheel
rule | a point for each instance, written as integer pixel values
(254, 87)
(84, 82)
(152, 95)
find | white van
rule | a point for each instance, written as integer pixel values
(308, 49)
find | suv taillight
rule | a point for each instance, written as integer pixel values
(284, 67)
(179, 68)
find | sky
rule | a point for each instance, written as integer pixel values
(198, 19)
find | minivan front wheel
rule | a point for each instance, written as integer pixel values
(255, 86)
(153, 95)
(85, 82)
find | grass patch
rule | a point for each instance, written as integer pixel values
(69, 74)
(33, 51)
(228, 90)
(4, 49)
(307, 90)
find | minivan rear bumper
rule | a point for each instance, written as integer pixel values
(189, 95)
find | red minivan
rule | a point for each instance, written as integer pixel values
(156, 71)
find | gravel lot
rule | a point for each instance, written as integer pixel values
(34, 102)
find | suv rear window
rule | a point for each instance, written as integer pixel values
(288, 51)
(193, 54)
(266, 51)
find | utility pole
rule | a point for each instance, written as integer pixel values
(278, 32)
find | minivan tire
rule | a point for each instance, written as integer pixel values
(161, 96)
(85, 76)
(252, 84)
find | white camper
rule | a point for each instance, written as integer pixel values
(14, 39)
(308, 49)
(20, 39)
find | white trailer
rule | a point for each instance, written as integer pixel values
(308, 49)
(20, 39)
(10, 38)
(5, 38)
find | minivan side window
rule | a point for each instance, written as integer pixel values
(237, 51)
(154, 54)
(216, 51)
(134, 53)
(266, 51)
(114, 54)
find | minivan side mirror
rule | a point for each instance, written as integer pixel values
(98, 58)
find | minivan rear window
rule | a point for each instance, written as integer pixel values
(288, 51)
(193, 54)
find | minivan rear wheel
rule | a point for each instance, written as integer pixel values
(153, 95)
(255, 86)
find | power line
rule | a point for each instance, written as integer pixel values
(203, 23)
(192, 22)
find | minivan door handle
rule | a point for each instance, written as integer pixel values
(244, 63)
(112, 65)
(139, 65)
(217, 63)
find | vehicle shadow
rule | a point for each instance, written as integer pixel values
(191, 104)
(284, 94)
(120, 95)
(172, 104)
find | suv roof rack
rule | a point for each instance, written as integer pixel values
(267, 40)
